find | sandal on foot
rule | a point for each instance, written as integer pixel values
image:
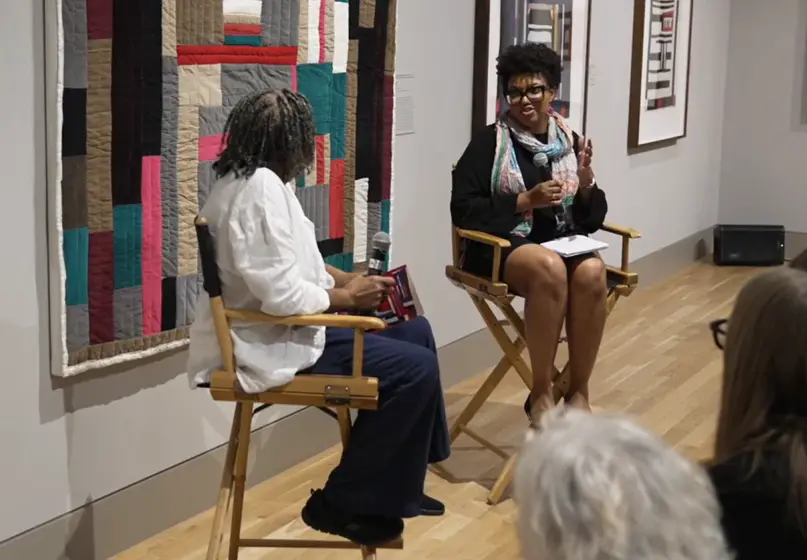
(579, 402)
(529, 407)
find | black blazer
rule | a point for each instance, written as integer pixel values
(474, 206)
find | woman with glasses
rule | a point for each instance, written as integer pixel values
(760, 465)
(528, 178)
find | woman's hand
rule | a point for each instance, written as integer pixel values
(367, 292)
(543, 195)
(340, 277)
(585, 173)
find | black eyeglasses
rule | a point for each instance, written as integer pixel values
(533, 93)
(719, 329)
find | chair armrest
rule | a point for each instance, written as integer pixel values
(622, 231)
(477, 236)
(627, 234)
(622, 277)
(480, 237)
(321, 320)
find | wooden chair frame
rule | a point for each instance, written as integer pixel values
(494, 292)
(331, 393)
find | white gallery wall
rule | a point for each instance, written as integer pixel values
(64, 445)
(672, 192)
(765, 140)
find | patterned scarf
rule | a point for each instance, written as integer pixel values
(558, 152)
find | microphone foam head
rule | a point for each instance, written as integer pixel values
(381, 241)
(540, 159)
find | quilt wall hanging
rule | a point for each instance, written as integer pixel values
(142, 91)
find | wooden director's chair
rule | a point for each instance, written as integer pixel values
(485, 292)
(332, 394)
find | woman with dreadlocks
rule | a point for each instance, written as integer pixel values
(268, 260)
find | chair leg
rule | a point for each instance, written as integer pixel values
(240, 477)
(480, 397)
(513, 318)
(225, 490)
(610, 302)
(345, 424)
(504, 480)
(343, 415)
(511, 349)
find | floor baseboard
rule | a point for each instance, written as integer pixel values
(665, 262)
(795, 243)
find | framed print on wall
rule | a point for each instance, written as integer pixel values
(563, 25)
(659, 88)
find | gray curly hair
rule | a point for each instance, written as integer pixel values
(601, 488)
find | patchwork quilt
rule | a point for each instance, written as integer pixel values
(145, 89)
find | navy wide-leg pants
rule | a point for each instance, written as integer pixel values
(383, 468)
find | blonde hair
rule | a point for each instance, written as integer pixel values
(602, 488)
(763, 405)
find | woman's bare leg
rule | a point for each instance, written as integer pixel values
(540, 276)
(585, 322)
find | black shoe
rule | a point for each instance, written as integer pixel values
(528, 404)
(528, 408)
(431, 506)
(367, 530)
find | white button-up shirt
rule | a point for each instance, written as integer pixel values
(268, 260)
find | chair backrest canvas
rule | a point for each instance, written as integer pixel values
(212, 285)
(207, 254)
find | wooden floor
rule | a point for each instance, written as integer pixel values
(658, 363)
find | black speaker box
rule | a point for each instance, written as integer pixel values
(742, 245)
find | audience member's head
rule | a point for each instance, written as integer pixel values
(800, 262)
(598, 487)
(764, 398)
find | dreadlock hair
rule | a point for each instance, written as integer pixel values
(273, 129)
(529, 58)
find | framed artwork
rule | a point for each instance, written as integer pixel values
(563, 25)
(659, 88)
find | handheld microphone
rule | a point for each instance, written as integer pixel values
(541, 161)
(378, 258)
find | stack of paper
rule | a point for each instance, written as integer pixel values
(575, 245)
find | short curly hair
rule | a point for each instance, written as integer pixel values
(272, 129)
(529, 58)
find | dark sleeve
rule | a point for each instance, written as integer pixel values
(589, 215)
(473, 205)
(754, 505)
(733, 505)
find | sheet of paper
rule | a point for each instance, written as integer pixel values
(575, 245)
(404, 104)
